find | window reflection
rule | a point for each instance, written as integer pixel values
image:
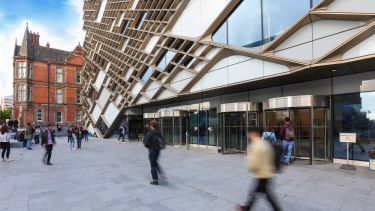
(280, 15)
(355, 113)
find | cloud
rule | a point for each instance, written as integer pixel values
(65, 39)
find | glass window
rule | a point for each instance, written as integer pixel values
(78, 75)
(101, 10)
(78, 116)
(59, 95)
(21, 69)
(280, 15)
(21, 93)
(355, 113)
(39, 115)
(166, 58)
(146, 74)
(29, 94)
(244, 25)
(30, 70)
(78, 96)
(59, 117)
(221, 35)
(141, 18)
(59, 75)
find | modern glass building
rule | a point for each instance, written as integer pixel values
(209, 69)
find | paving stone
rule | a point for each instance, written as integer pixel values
(115, 177)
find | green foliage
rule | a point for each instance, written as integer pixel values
(5, 114)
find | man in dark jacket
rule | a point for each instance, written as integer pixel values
(154, 142)
(48, 140)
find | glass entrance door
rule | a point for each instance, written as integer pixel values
(307, 141)
(167, 129)
(202, 126)
(234, 131)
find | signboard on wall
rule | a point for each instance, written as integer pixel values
(348, 137)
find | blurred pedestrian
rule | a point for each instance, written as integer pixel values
(154, 142)
(48, 140)
(260, 161)
(86, 134)
(79, 137)
(121, 134)
(37, 134)
(71, 137)
(59, 129)
(5, 142)
(29, 136)
(288, 136)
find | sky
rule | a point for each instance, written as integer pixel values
(58, 22)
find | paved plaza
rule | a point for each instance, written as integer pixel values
(108, 176)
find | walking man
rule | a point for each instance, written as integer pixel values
(154, 142)
(71, 138)
(260, 161)
(79, 136)
(287, 135)
(121, 134)
(48, 140)
(29, 136)
(37, 134)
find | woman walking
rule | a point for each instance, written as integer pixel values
(5, 142)
(154, 142)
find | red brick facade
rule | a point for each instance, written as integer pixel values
(42, 84)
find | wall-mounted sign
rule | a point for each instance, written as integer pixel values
(348, 137)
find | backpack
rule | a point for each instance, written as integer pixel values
(289, 133)
(268, 136)
(161, 142)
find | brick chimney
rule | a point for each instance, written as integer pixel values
(47, 45)
(34, 38)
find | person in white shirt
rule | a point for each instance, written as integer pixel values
(5, 142)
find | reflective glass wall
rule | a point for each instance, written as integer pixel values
(256, 22)
(355, 113)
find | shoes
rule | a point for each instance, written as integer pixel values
(29, 148)
(154, 182)
(4, 160)
(285, 164)
(8, 160)
(50, 164)
(241, 208)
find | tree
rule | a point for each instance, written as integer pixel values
(5, 114)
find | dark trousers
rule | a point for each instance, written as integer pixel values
(36, 139)
(155, 167)
(86, 137)
(121, 135)
(262, 187)
(79, 142)
(48, 154)
(6, 148)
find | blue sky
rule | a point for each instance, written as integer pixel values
(58, 22)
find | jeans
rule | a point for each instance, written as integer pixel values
(36, 139)
(288, 146)
(59, 134)
(121, 135)
(79, 141)
(48, 154)
(155, 167)
(262, 187)
(71, 141)
(6, 148)
(86, 137)
(29, 143)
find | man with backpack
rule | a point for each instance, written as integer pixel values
(154, 142)
(287, 135)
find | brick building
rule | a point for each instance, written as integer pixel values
(47, 82)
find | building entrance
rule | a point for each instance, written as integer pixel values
(309, 117)
(202, 128)
(235, 119)
(173, 127)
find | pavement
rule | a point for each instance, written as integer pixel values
(105, 176)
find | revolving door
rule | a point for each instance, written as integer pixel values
(310, 117)
(173, 127)
(234, 121)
